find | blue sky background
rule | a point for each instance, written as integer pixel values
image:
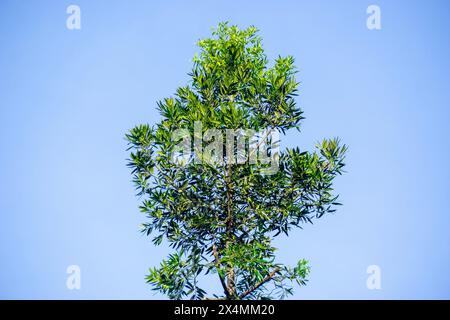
(68, 97)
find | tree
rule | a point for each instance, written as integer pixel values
(220, 205)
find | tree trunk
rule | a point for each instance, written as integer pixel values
(231, 283)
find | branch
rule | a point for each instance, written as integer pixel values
(259, 284)
(222, 280)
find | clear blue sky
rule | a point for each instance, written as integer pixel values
(67, 97)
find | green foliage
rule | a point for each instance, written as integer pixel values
(223, 218)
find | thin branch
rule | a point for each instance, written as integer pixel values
(259, 284)
(222, 280)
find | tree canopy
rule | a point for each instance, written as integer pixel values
(221, 207)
